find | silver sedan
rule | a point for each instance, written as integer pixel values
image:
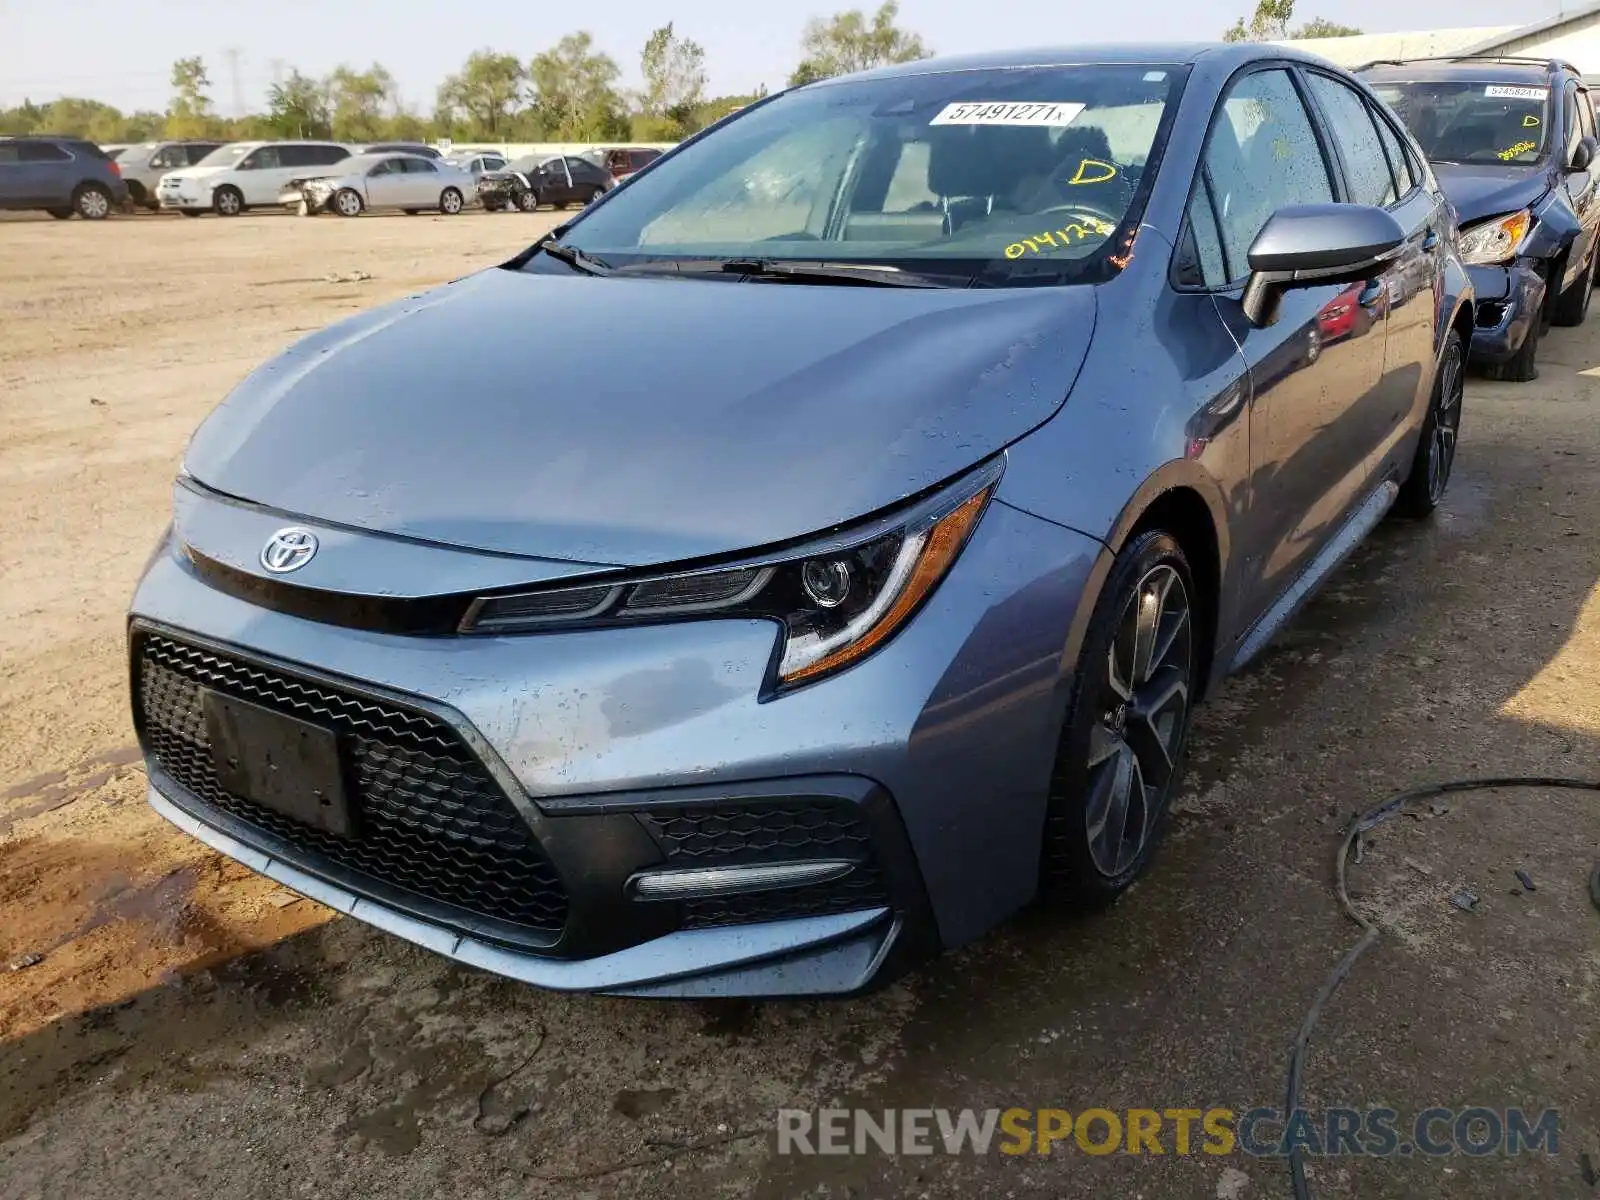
(408, 182)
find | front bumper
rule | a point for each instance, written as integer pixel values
(180, 198)
(939, 747)
(1510, 299)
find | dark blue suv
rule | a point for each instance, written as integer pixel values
(1512, 143)
(61, 175)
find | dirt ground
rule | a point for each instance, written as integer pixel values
(189, 1023)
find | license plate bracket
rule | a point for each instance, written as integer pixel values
(278, 761)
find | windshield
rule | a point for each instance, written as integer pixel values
(1012, 175)
(1463, 122)
(226, 156)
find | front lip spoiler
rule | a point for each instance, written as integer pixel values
(808, 955)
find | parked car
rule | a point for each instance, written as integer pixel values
(879, 605)
(375, 181)
(142, 166)
(624, 161)
(1512, 141)
(421, 148)
(60, 175)
(543, 179)
(475, 163)
(238, 176)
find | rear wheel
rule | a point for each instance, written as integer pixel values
(92, 202)
(1436, 451)
(1121, 752)
(451, 201)
(347, 202)
(1572, 306)
(228, 202)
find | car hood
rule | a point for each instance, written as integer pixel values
(194, 172)
(634, 421)
(1480, 191)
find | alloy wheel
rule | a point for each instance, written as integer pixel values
(349, 204)
(1446, 423)
(450, 202)
(228, 203)
(1144, 701)
(94, 204)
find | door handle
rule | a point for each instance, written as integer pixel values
(1431, 242)
(1372, 293)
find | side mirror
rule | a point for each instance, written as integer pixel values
(1308, 244)
(1583, 155)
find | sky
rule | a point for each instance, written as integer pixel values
(121, 51)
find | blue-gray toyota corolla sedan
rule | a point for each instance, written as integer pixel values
(972, 417)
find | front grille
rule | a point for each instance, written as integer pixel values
(706, 836)
(431, 821)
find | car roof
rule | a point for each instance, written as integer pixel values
(378, 156)
(1114, 54)
(1475, 70)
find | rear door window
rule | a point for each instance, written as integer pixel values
(1366, 167)
(43, 152)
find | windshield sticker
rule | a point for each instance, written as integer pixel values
(1499, 91)
(1094, 170)
(983, 112)
(1530, 121)
(1060, 239)
(1511, 152)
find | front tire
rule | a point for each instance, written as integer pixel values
(1424, 488)
(347, 203)
(528, 201)
(92, 202)
(228, 202)
(1521, 367)
(451, 202)
(1121, 752)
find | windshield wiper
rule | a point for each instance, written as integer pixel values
(574, 257)
(819, 271)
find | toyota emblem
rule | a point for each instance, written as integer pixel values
(288, 550)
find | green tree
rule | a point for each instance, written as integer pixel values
(1270, 23)
(575, 92)
(298, 108)
(189, 114)
(849, 41)
(674, 72)
(481, 101)
(1321, 27)
(361, 102)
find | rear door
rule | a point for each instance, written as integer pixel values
(421, 182)
(13, 178)
(1368, 149)
(1263, 153)
(1580, 185)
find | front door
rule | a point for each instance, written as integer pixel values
(386, 185)
(1320, 360)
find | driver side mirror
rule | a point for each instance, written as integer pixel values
(1308, 244)
(1583, 155)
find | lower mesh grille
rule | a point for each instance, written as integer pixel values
(431, 820)
(727, 836)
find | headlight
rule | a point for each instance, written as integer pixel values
(838, 600)
(1495, 241)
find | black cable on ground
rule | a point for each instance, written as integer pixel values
(1370, 934)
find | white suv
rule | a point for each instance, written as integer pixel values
(233, 178)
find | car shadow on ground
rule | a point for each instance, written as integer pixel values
(1444, 650)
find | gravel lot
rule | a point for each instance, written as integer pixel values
(190, 1023)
